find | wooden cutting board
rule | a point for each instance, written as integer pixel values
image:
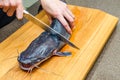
(92, 30)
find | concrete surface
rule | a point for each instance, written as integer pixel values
(28, 3)
(107, 66)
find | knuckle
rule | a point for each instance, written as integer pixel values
(19, 2)
(65, 6)
(56, 15)
(13, 5)
(65, 25)
(6, 5)
(63, 10)
(1, 4)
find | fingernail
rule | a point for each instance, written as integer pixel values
(20, 16)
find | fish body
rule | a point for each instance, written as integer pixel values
(44, 47)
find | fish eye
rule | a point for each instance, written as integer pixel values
(32, 59)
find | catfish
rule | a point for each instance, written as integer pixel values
(46, 45)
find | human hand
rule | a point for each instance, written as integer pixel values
(10, 6)
(58, 9)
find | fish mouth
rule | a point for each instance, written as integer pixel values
(30, 66)
(26, 67)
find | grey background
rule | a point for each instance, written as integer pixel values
(107, 66)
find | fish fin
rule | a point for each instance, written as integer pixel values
(63, 53)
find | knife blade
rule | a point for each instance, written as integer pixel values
(46, 27)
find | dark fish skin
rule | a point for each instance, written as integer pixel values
(43, 47)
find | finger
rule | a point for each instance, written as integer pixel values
(19, 11)
(70, 13)
(72, 25)
(6, 5)
(65, 24)
(69, 19)
(11, 11)
(1, 4)
(67, 9)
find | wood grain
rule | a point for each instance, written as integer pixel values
(92, 30)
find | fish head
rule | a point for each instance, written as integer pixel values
(29, 63)
(38, 51)
(30, 59)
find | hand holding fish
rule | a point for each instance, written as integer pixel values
(58, 9)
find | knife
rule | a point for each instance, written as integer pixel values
(46, 27)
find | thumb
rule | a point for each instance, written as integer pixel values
(19, 11)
